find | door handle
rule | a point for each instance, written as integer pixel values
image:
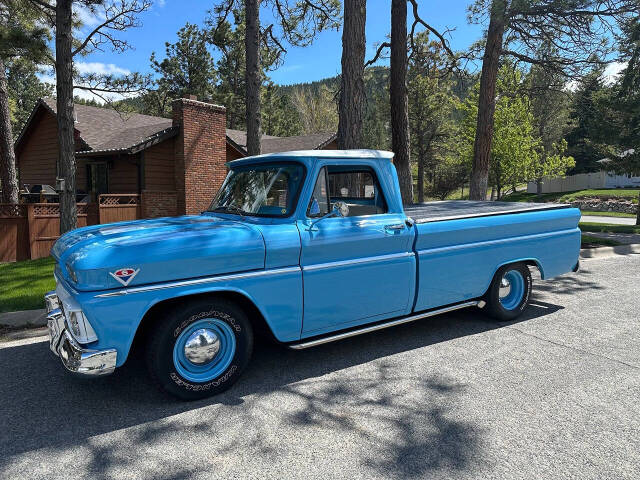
(394, 229)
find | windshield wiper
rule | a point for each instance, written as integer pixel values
(230, 209)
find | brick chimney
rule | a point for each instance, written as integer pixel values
(200, 153)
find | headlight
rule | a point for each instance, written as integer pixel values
(80, 327)
(72, 273)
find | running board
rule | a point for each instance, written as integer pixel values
(380, 326)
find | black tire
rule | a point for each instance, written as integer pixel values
(504, 311)
(163, 338)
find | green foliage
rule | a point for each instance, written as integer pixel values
(608, 228)
(433, 130)
(279, 116)
(566, 197)
(23, 32)
(608, 214)
(187, 68)
(515, 151)
(449, 174)
(229, 42)
(550, 107)
(376, 132)
(25, 88)
(589, 133)
(317, 111)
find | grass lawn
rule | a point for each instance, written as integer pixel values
(605, 227)
(609, 214)
(560, 197)
(588, 242)
(23, 284)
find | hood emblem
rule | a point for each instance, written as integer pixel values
(124, 275)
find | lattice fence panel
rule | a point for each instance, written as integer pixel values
(46, 210)
(9, 210)
(119, 200)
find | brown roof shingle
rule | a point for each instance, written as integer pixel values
(104, 129)
(107, 129)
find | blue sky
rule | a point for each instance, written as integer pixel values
(320, 60)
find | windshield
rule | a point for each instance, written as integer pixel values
(260, 190)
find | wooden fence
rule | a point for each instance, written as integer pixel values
(28, 231)
(118, 208)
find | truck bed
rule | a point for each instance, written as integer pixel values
(457, 209)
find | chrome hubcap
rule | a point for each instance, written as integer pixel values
(505, 287)
(202, 346)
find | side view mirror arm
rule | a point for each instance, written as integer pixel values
(340, 209)
(332, 213)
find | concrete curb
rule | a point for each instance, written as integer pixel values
(601, 252)
(25, 318)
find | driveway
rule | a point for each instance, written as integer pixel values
(554, 395)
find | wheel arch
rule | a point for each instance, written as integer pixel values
(529, 261)
(240, 298)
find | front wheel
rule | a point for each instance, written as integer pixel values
(509, 293)
(199, 348)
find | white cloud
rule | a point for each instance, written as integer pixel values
(86, 16)
(609, 75)
(100, 68)
(612, 71)
(84, 68)
(162, 3)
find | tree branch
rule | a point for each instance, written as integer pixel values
(381, 47)
(121, 19)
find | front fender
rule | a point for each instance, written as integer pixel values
(116, 315)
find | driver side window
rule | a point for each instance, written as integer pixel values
(319, 204)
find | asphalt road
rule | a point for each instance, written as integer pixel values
(554, 395)
(610, 220)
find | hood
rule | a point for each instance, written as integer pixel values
(159, 250)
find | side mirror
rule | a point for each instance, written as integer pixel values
(340, 209)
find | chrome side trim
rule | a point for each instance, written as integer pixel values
(356, 261)
(499, 241)
(380, 326)
(199, 281)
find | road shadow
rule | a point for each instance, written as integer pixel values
(570, 284)
(45, 407)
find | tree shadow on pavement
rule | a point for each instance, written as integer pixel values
(570, 284)
(45, 407)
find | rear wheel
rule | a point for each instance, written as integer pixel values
(200, 348)
(509, 293)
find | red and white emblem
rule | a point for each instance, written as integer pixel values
(124, 275)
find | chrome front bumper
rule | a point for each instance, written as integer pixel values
(75, 358)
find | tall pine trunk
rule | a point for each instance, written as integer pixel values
(8, 179)
(252, 75)
(399, 101)
(64, 92)
(487, 102)
(638, 211)
(420, 179)
(352, 96)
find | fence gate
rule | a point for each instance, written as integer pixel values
(118, 208)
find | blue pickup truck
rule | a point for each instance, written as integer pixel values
(308, 247)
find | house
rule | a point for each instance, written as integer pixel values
(175, 165)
